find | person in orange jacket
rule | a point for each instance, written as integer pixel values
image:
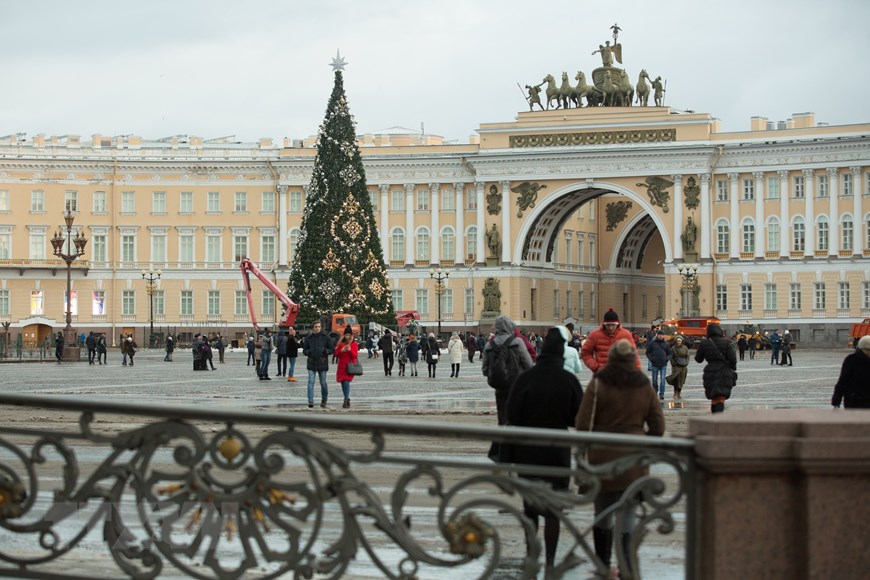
(598, 343)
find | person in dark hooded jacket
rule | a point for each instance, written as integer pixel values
(504, 331)
(720, 374)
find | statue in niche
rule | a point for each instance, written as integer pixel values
(491, 296)
(656, 188)
(692, 193)
(615, 213)
(493, 201)
(688, 237)
(527, 195)
(493, 242)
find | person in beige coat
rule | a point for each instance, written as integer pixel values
(618, 399)
(454, 351)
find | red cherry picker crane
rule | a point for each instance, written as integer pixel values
(291, 309)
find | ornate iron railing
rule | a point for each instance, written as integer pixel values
(219, 494)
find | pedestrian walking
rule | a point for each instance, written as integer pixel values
(292, 353)
(546, 396)
(402, 355)
(413, 349)
(370, 344)
(386, 346)
(346, 351)
(266, 355)
(853, 387)
(570, 356)
(317, 347)
(196, 350)
(101, 350)
(471, 345)
(170, 348)
(504, 358)
(281, 353)
(679, 367)
(618, 399)
(123, 345)
(131, 348)
(258, 356)
(454, 352)
(742, 345)
(91, 344)
(251, 345)
(595, 349)
(752, 349)
(221, 347)
(58, 348)
(481, 343)
(775, 346)
(207, 355)
(658, 351)
(786, 348)
(432, 352)
(720, 374)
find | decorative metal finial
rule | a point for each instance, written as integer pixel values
(338, 63)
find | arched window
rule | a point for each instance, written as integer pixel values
(773, 234)
(448, 244)
(397, 245)
(422, 244)
(748, 235)
(292, 243)
(847, 229)
(798, 234)
(823, 233)
(471, 243)
(723, 237)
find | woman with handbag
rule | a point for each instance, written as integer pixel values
(679, 366)
(346, 352)
(432, 352)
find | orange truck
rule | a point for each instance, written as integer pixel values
(859, 329)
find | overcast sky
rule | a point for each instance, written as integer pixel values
(261, 69)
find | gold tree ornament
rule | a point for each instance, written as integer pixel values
(357, 295)
(352, 228)
(331, 261)
(376, 288)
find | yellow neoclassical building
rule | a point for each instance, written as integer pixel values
(649, 210)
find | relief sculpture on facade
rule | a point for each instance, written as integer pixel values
(493, 201)
(656, 188)
(692, 192)
(527, 195)
(616, 212)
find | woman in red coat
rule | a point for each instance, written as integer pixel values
(346, 352)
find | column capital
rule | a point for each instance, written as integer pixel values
(705, 177)
(282, 189)
(808, 173)
(782, 174)
(459, 187)
(732, 177)
(855, 170)
(385, 188)
(677, 178)
(758, 175)
(409, 188)
(833, 171)
(434, 188)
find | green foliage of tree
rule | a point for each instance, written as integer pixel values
(339, 265)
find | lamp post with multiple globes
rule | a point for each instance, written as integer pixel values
(70, 351)
(151, 276)
(439, 276)
(689, 289)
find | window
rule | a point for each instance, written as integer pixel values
(212, 247)
(794, 296)
(581, 259)
(723, 238)
(748, 189)
(721, 297)
(843, 296)
(721, 190)
(158, 247)
(159, 303)
(240, 247)
(847, 184)
(268, 304)
(158, 202)
(5, 242)
(847, 231)
(471, 242)
(37, 201)
(185, 202)
(823, 186)
(770, 296)
(797, 187)
(398, 203)
(98, 304)
(396, 295)
(374, 196)
(240, 204)
(128, 302)
(555, 304)
(421, 301)
(98, 248)
(185, 247)
(469, 301)
(446, 301)
(186, 306)
(99, 202)
(745, 297)
(568, 251)
(4, 200)
(865, 295)
(593, 257)
(37, 244)
(240, 304)
(4, 302)
(471, 201)
(71, 202)
(448, 244)
(268, 202)
(267, 248)
(422, 200)
(819, 296)
(397, 245)
(448, 200)
(773, 185)
(422, 244)
(773, 234)
(822, 233)
(128, 202)
(213, 202)
(214, 303)
(748, 235)
(128, 248)
(295, 202)
(798, 238)
(293, 241)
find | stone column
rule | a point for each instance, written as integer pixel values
(410, 238)
(809, 213)
(760, 230)
(435, 245)
(834, 188)
(481, 224)
(282, 226)
(385, 221)
(459, 201)
(506, 241)
(705, 226)
(734, 217)
(785, 224)
(678, 217)
(857, 217)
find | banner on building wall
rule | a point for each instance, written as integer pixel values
(36, 303)
(99, 303)
(74, 303)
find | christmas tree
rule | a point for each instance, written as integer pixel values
(339, 264)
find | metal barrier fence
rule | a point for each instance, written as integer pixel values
(217, 494)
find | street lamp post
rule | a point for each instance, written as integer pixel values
(70, 256)
(689, 289)
(439, 276)
(150, 276)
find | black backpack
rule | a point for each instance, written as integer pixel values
(503, 365)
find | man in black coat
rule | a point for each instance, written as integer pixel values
(853, 386)
(91, 343)
(317, 347)
(548, 397)
(658, 351)
(386, 346)
(720, 374)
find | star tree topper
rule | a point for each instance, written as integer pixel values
(338, 63)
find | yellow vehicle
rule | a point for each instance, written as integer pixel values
(754, 334)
